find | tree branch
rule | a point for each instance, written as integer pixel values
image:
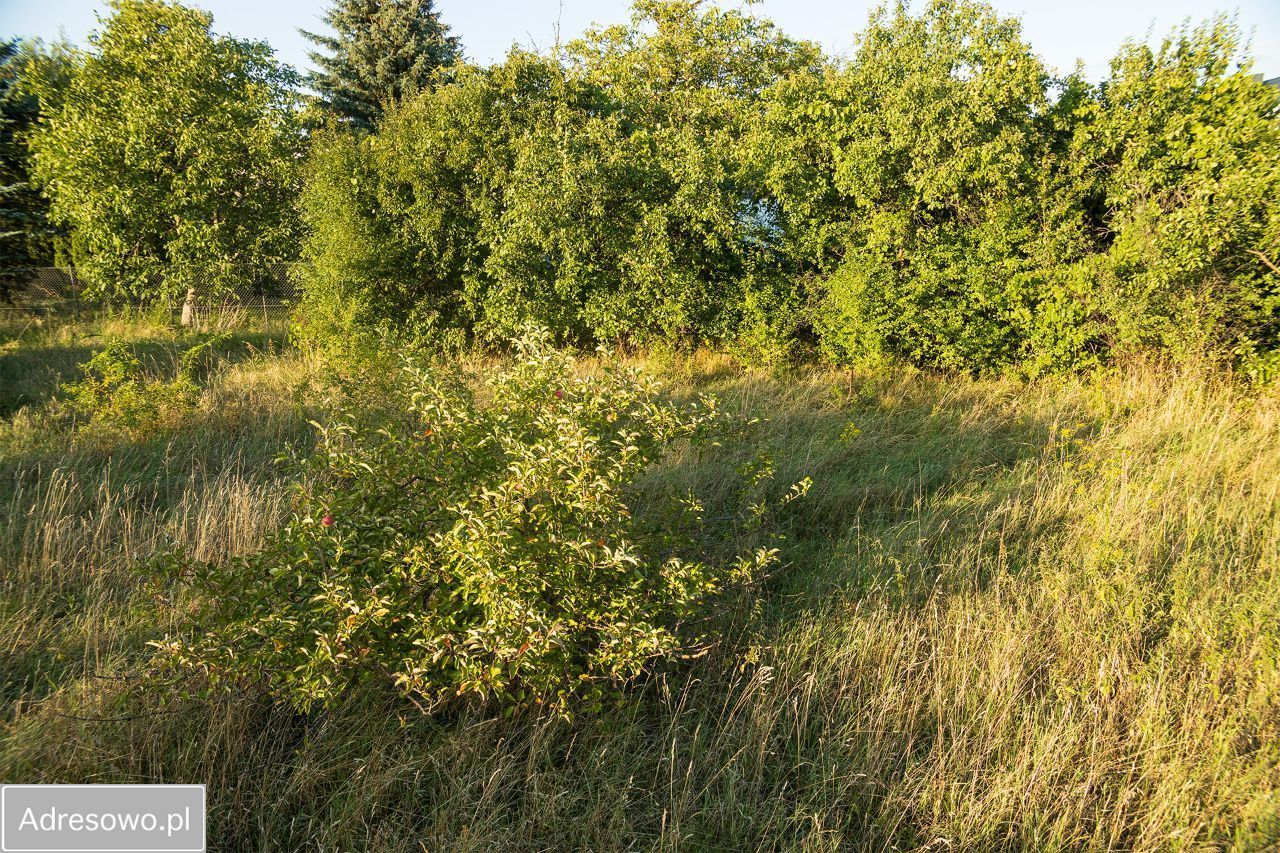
(1265, 260)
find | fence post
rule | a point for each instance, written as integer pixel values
(75, 295)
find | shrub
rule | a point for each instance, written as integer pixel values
(1181, 142)
(116, 395)
(908, 177)
(464, 544)
(962, 218)
(939, 199)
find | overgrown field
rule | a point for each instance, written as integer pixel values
(1007, 615)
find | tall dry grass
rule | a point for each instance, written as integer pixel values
(1013, 616)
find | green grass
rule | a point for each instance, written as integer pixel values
(1010, 616)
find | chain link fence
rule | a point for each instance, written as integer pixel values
(59, 291)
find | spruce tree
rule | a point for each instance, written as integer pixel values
(382, 51)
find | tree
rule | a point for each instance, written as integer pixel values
(939, 198)
(26, 237)
(599, 192)
(171, 156)
(910, 176)
(1181, 141)
(383, 52)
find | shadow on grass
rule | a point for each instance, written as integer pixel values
(898, 465)
(31, 373)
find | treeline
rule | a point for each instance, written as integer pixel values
(696, 176)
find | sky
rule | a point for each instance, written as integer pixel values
(1061, 32)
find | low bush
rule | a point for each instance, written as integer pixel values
(116, 395)
(472, 544)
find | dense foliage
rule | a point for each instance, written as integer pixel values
(170, 154)
(1180, 157)
(26, 237)
(939, 198)
(604, 192)
(382, 52)
(452, 544)
(910, 181)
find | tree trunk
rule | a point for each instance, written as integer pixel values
(189, 307)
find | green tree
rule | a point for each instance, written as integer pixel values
(1181, 142)
(382, 52)
(940, 199)
(910, 180)
(601, 192)
(172, 155)
(956, 211)
(642, 198)
(398, 221)
(26, 237)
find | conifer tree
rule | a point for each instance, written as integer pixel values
(381, 52)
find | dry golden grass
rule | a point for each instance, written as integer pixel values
(1012, 616)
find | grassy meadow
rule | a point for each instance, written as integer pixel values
(1009, 615)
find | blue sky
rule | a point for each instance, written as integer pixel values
(1089, 30)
